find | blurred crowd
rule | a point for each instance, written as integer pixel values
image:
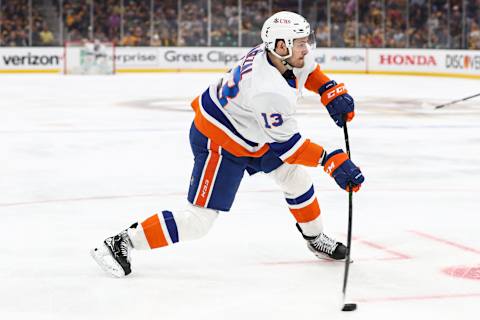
(400, 24)
(368, 23)
(20, 26)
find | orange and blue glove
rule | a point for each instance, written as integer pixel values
(343, 170)
(339, 103)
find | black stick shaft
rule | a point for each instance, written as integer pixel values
(347, 143)
(350, 214)
(459, 100)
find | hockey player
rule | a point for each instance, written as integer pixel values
(245, 122)
(95, 58)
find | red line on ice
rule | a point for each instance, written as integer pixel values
(445, 241)
(110, 197)
(13, 204)
(427, 297)
(383, 248)
(326, 260)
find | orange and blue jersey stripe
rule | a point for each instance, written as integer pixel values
(211, 121)
(209, 174)
(171, 225)
(305, 208)
(286, 149)
(298, 150)
(160, 232)
(217, 173)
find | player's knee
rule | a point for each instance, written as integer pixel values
(292, 179)
(198, 222)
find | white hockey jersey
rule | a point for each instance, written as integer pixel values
(251, 109)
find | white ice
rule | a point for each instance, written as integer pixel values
(83, 157)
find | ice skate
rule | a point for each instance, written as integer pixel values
(323, 246)
(113, 256)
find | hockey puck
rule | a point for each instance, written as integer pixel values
(349, 307)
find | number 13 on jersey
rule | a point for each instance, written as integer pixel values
(272, 120)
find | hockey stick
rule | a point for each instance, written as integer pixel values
(456, 101)
(348, 306)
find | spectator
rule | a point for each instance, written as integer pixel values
(474, 36)
(377, 38)
(322, 35)
(46, 36)
(18, 39)
(130, 39)
(155, 42)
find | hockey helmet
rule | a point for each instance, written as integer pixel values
(286, 26)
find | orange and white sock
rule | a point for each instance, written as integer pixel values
(167, 228)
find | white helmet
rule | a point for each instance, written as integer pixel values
(286, 26)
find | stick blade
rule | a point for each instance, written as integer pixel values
(349, 307)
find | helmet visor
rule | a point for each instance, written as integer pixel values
(312, 40)
(308, 42)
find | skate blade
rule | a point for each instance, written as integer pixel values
(327, 258)
(105, 260)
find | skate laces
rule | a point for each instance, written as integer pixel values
(125, 244)
(121, 245)
(324, 243)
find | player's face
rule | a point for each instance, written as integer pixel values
(300, 49)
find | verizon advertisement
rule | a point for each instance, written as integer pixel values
(40, 59)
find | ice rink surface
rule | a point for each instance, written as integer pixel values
(83, 157)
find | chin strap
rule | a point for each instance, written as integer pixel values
(287, 65)
(282, 59)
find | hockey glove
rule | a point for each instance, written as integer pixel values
(339, 103)
(341, 168)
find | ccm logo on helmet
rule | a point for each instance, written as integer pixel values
(335, 92)
(286, 21)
